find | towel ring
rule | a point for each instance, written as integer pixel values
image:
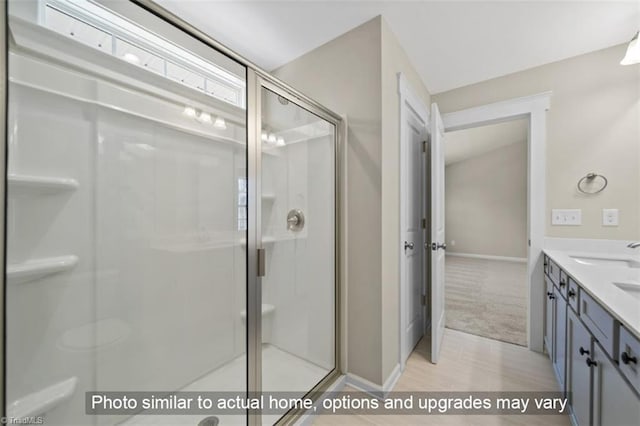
(589, 178)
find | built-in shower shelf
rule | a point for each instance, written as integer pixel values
(38, 268)
(42, 401)
(41, 184)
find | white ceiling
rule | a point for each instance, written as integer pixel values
(464, 144)
(451, 43)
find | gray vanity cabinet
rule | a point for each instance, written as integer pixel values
(595, 358)
(578, 372)
(614, 402)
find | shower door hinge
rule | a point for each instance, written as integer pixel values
(261, 263)
(424, 223)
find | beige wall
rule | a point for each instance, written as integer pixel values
(486, 203)
(344, 75)
(355, 75)
(394, 60)
(593, 126)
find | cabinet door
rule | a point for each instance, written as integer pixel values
(614, 401)
(559, 337)
(549, 317)
(578, 372)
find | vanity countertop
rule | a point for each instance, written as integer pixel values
(591, 271)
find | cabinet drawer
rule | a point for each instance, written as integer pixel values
(573, 295)
(599, 322)
(629, 357)
(553, 271)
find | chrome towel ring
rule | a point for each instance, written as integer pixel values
(589, 179)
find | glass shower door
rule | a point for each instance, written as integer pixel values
(298, 237)
(126, 212)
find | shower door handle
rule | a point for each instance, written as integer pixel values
(262, 263)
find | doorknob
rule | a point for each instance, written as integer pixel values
(408, 245)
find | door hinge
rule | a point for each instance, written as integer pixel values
(424, 300)
(424, 223)
(261, 263)
(424, 146)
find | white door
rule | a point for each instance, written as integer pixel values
(411, 226)
(438, 245)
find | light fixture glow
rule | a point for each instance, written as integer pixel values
(264, 136)
(271, 139)
(130, 57)
(633, 52)
(189, 111)
(220, 123)
(280, 141)
(204, 117)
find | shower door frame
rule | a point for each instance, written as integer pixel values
(256, 81)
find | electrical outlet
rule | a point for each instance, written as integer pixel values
(610, 217)
(566, 217)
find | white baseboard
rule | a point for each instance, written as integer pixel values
(391, 381)
(374, 389)
(364, 385)
(489, 257)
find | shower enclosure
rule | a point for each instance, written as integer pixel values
(170, 217)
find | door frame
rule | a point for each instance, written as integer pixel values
(410, 105)
(533, 108)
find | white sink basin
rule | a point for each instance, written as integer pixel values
(607, 261)
(631, 288)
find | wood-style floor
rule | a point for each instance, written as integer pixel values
(468, 363)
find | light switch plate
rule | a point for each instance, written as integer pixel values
(610, 217)
(566, 217)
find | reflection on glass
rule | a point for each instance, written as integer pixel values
(126, 270)
(299, 288)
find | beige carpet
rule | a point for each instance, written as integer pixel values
(487, 298)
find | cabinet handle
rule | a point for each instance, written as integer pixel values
(583, 351)
(572, 293)
(552, 296)
(626, 359)
(591, 363)
(562, 283)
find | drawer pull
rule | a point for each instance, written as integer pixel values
(626, 359)
(583, 351)
(591, 363)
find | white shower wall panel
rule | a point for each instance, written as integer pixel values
(49, 136)
(154, 301)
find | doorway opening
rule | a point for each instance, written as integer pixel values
(486, 230)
